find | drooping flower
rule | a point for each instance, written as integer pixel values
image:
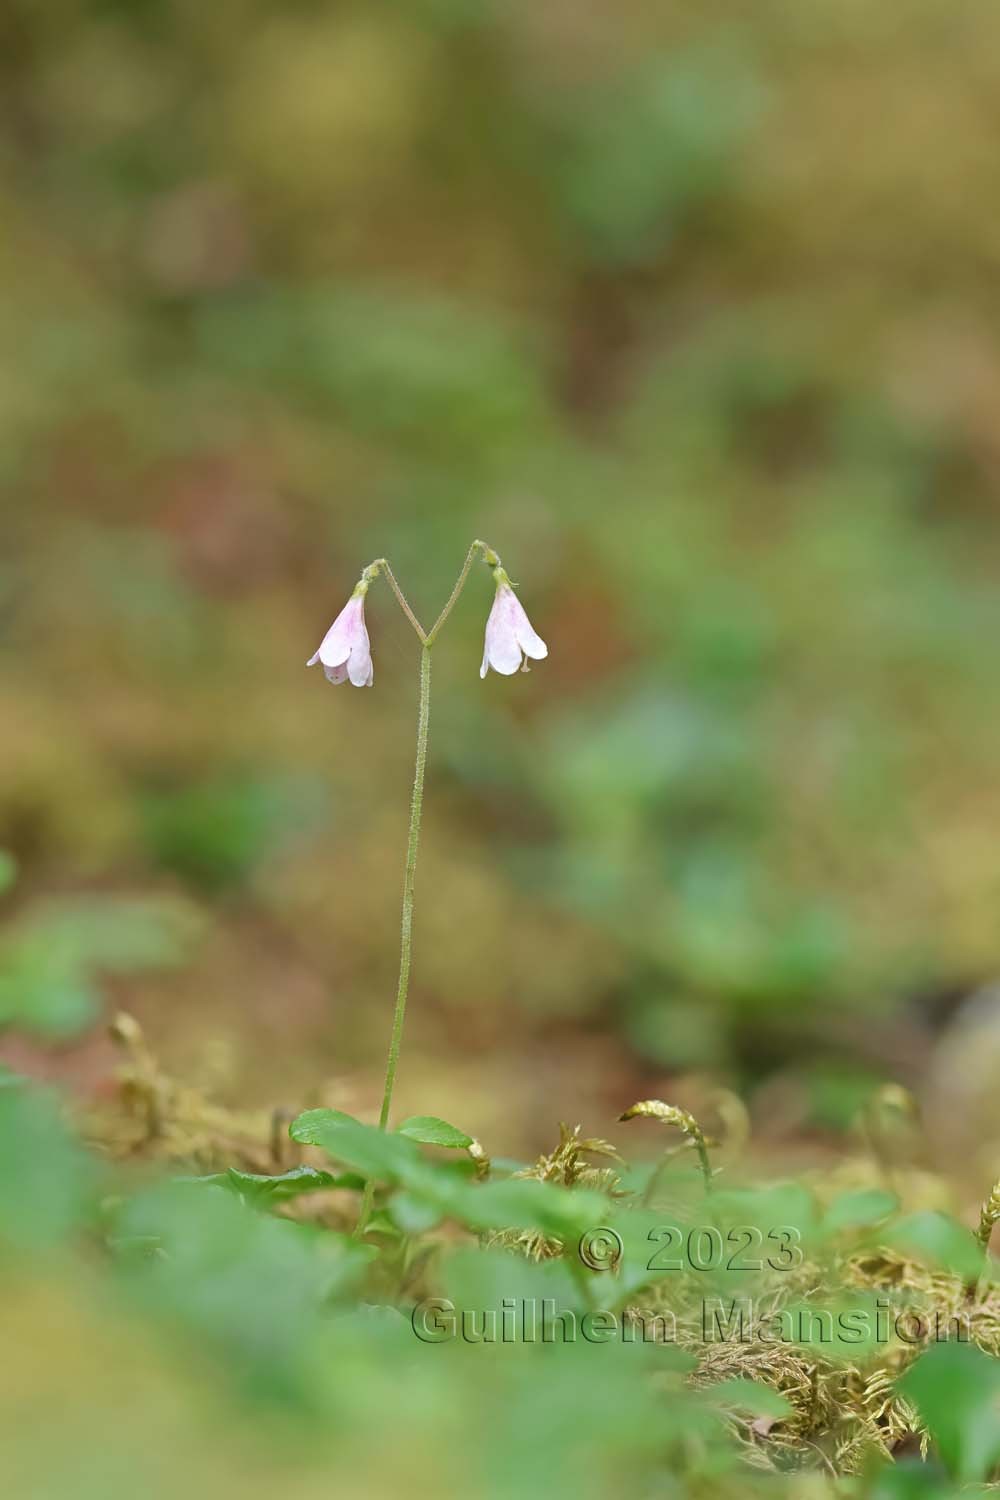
(345, 651)
(510, 636)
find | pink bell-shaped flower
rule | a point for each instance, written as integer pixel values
(345, 651)
(510, 636)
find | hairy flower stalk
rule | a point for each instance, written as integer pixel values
(406, 925)
(345, 654)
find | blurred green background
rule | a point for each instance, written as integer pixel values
(691, 312)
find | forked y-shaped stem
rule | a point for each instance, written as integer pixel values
(492, 561)
(381, 565)
(427, 640)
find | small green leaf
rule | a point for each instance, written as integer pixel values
(483, 1278)
(911, 1479)
(388, 1157)
(561, 1212)
(262, 1189)
(956, 1389)
(938, 1240)
(307, 1127)
(413, 1214)
(430, 1131)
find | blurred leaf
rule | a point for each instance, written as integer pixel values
(837, 1093)
(46, 1179)
(681, 756)
(910, 1479)
(858, 1209)
(436, 373)
(43, 989)
(412, 1213)
(447, 1188)
(769, 1207)
(844, 1329)
(377, 1153)
(430, 1131)
(51, 957)
(217, 832)
(651, 148)
(561, 1212)
(750, 1396)
(120, 934)
(937, 1240)
(251, 1286)
(956, 1389)
(263, 1190)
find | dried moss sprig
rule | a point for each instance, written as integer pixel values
(669, 1114)
(989, 1215)
(154, 1115)
(565, 1165)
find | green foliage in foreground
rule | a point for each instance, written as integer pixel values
(235, 1326)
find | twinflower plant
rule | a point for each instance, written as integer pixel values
(345, 656)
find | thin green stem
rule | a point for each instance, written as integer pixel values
(406, 924)
(383, 566)
(490, 556)
(427, 639)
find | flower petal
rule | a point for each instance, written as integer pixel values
(522, 629)
(334, 651)
(530, 641)
(505, 656)
(502, 651)
(359, 665)
(344, 634)
(335, 674)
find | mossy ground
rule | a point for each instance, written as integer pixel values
(843, 1407)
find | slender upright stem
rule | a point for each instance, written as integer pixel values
(427, 639)
(406, 925)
